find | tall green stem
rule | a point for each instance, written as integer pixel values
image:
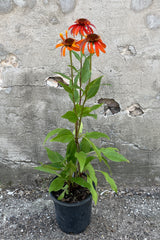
(74, 103)
(80, 77)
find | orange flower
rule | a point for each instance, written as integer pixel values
(69, 43)
(92, 40)
(81, 25)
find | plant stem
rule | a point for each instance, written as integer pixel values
(80, 77)
(77, 122)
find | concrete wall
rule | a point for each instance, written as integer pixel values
(30, 106)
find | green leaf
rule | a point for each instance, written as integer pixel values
(86, 73)
(94, 107)
(71, 66)
(92, 174)
(76, 78)
(109, 180)
(90, 115)
(113, 155)
(54, 156)
(50, 134)
(47, 168)
(92, 190)
(76, 95)
(63, 75)
(57, 184)
(71, 116)
(96, 135)
(86, 112)
(95, 149)
(69, 170)
(67, 88)
(61, 196)
(80, 181)
(107, 164)
(81, 156)
(70, 152)
(93, 87)
(89, 159)
(85, 146)
(63, 136)
(76, 55)
(57, 166)
(81, 128)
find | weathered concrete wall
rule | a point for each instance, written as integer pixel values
(30, 106)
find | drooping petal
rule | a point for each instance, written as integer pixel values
(77, 30)
(64, 51)
(81, 31)
(71, 26)
(102, 43)
(97, 49)
(83, 46)
(88, 47)
(101, 47)
(91, 47)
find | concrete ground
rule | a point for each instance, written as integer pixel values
(27, 213)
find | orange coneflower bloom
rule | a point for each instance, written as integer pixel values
(93, 41)
(82, 26)
(69, 43)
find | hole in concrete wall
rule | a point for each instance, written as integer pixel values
(110, 105)
(56, 81)
(10, 60)
(135, 110)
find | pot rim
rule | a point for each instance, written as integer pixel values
(79, 203)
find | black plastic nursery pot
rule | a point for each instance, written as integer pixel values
(73, 217)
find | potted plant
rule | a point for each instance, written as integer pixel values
(75, 183)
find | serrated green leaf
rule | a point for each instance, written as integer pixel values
(93, 87)
(57, 184)
(109, 180)
(81, 156)
(92, 190)
(50, 134)
(71, 116)
(96, 135)
(63, 136)
(113, 155)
